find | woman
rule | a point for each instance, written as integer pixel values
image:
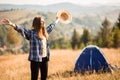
(39, 51)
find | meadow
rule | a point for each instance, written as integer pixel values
(61, 66)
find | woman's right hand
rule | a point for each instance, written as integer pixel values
(7, 22)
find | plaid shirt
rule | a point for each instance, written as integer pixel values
(35, 53)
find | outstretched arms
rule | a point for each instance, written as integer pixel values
(26, 33)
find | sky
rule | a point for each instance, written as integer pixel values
(47, 2)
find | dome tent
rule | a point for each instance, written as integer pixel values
(91, 59)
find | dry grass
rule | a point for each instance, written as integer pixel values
(61, 65)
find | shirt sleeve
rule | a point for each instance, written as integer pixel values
(24, 32)
(51, 27)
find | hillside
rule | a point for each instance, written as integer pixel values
(89, 17)
(28, 15)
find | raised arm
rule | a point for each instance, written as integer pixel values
(51, 26)
(25, 33)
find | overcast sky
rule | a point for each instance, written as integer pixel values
(46, 2)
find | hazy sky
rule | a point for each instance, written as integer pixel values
(45, 2)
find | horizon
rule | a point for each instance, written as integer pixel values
(51, 2)
(88, 5)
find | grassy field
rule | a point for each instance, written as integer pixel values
(61, 65)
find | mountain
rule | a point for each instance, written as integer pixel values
(90, 17)
(73, 8)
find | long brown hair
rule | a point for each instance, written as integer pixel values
(38, 27)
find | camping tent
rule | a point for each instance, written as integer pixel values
(91, 59)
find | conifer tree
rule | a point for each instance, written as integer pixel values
(85, 38)
(116, 33)
(75, 40)
(105, 36)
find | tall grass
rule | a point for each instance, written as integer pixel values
(61, 66)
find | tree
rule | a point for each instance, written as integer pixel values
(98, 39)
(116, 33)
(61, 43)
(116, 38)
(118, 22)
(104, 37)
(3, 31)
(75, 40)
(13, 38)
(85, 38)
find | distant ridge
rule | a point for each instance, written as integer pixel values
(73, 8)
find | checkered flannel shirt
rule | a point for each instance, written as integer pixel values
(35, 53)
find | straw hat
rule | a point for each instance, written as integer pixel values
(64, 16)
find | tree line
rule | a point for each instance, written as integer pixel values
(108, 36)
